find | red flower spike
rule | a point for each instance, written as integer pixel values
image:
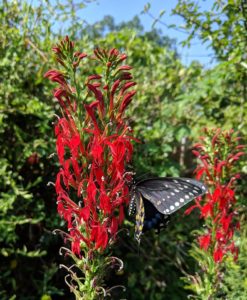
(217, 152)
(93, 148)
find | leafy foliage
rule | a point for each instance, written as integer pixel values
(235, 285)
(220, 92)
(25, 147)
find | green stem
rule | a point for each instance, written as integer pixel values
(90, 286)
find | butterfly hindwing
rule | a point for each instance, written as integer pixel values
(153, 218)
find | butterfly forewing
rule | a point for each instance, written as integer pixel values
(170, 194)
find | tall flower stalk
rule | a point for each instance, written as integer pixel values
(93, 141)
(217, 153)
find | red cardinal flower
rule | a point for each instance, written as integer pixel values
(93, 143)
(217, 154)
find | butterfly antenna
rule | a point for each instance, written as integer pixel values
(142, 176)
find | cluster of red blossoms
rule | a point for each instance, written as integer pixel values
(93, 142)
(217, 153)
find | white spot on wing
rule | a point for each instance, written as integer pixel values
(176, 204)
(172, 207)
(181, 200)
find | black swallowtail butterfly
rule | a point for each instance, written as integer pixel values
(155, 199)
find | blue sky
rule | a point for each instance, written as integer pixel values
(124, 10)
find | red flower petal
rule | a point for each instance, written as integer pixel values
(85, 213)
(204, 241)
(218, 255)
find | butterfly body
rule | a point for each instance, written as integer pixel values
(160, 197)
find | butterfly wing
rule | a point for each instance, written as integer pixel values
(169, 194)
(153, 218)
